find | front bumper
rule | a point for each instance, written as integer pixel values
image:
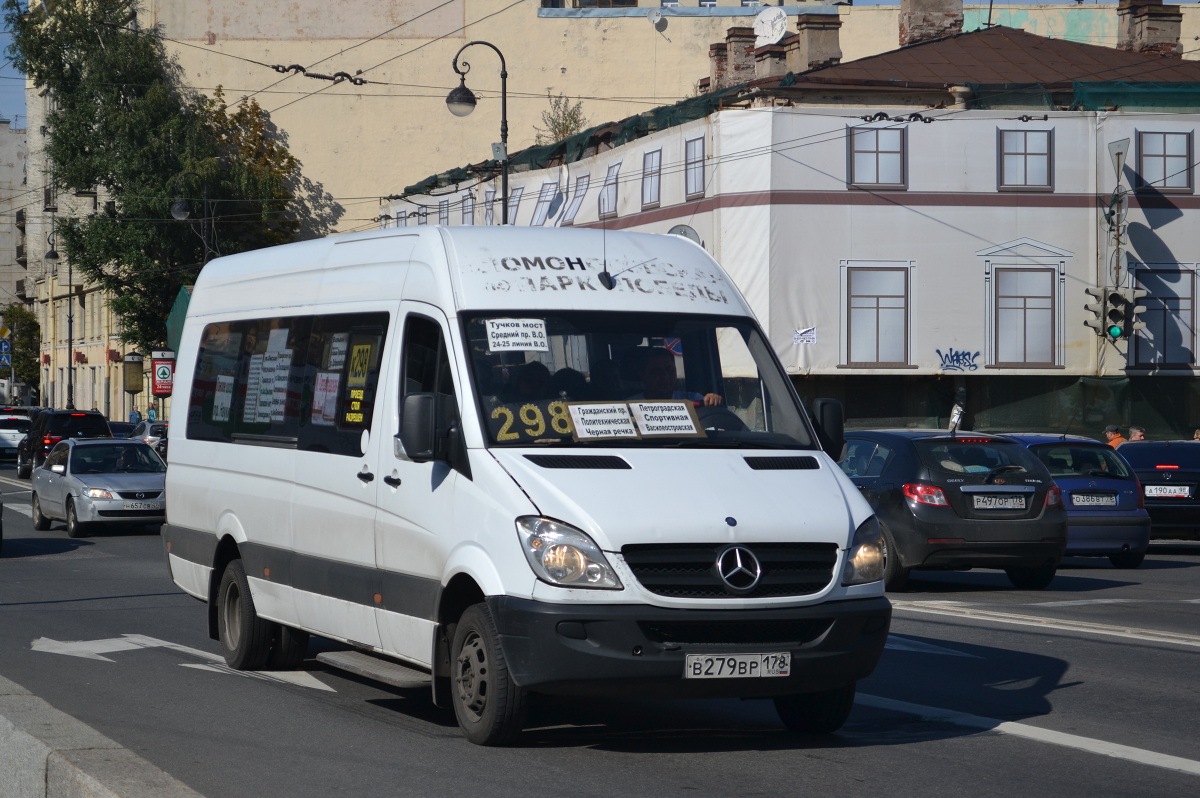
(639, 651)
(117, 511)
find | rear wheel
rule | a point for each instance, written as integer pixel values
(816, 713)
(1031, 578)
(895, 575)
(75, 528)
(245, 638)
(23, 469)
(1127, 559)
(40, 522)
(490, 708)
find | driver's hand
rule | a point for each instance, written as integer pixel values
(713, 400)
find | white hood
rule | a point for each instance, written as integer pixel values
(690, 496)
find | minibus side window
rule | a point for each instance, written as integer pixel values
(427, 367)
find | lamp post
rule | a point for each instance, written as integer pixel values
(52, 255)
(461, 101)
(180, 210)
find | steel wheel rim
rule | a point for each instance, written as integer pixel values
(471, 677)
(231, 614)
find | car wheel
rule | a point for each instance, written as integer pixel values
(895, 575)
(490, 708)
(1127, 559)
(75, 529)
(40, 522)
(23, 469)
(816, 713)
(1031, 578)
(245, 638)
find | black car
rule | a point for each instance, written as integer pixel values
(1170, 474)
(52, 426)
(958, 501)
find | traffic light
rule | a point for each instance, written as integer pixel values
(1098, 308)
(1116, 319)
(1133, 310)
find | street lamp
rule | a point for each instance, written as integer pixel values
(180, 210)
(461, 101)
(52, 254)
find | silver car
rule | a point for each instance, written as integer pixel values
(12, 430)
(99, 481)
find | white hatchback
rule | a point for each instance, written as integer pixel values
(12, 430)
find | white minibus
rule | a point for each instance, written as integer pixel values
(502, 461)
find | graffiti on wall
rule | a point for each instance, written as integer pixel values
(958, 359)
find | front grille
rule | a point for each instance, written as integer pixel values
(577, 461)
(688, 570)
(131, 513)
(783, 463)
(734, 633)
(139, 494)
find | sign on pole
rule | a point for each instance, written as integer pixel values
(162, 373)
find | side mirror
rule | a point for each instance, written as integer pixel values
(417, 426)
(58, 469)
(831, 426)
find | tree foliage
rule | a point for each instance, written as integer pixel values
(562, 120)
(122, 120)
(26, 341)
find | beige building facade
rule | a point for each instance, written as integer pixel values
(360, 96)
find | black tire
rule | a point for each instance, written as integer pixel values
(75, 529)
(245, 638)
(816, 713)
(23, 468)
(895, 575)
(489, 707)
(1127, 559)
(1031, 578)
(40, 522)
(289, 647)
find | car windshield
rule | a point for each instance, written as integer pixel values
(79, 425)
(1082, 460)
(630, 379)
(1185, 455)
(18, 424)
(116, 460)
(981, 456)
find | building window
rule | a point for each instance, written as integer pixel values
(1165, 161)
(489, 206)
(401, 218)
(514, 202)
(1170, 335)
(651, 173)
(422, 215)
(1026, 159)
(694, 167)
(1024, 317)
(581, 187)
(468, 209)
(877, 329)
(608, 192)
(877, 157)
(545, 197)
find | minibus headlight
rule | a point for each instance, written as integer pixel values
(562, 555)
(864, 561)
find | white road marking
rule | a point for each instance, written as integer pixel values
(95, 649)
(1088, 744)
(899, 643)
(957, 610)
(23, 509)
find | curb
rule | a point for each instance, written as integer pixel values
(45, 753)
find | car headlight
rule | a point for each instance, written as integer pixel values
(864, 561)
(562, 555)
(97, 493)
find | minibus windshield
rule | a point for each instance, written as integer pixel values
(630, 379)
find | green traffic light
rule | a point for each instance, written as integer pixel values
(1115, 332)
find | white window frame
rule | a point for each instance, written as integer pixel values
(1004, 316)
(545, 196)
(468, 209)
(422, 215)
(514, 202)
(694, 167)
(581, 186)
(1024, 253)
(608, 192)
(444, 212)
(1172, 170)
(863, 145)
(1013, 159)
(651, 178)
(489, 206)
(1159, 309)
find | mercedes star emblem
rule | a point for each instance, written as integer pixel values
(739, 569)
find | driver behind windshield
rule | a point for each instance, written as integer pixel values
(659, 378)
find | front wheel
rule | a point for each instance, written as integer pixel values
(895, 575)
(1031, 578)
(23, 469)
(245, 638)
(40, 522)
(75, 528)
(490, 708)
(816, 713)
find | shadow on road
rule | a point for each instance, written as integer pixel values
(15, 548)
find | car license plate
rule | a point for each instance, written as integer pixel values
(1094, 499)
(737, 666)
(1003, 502)
(1169, 491)
(142, 506)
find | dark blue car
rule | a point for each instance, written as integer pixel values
(1106, 514)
